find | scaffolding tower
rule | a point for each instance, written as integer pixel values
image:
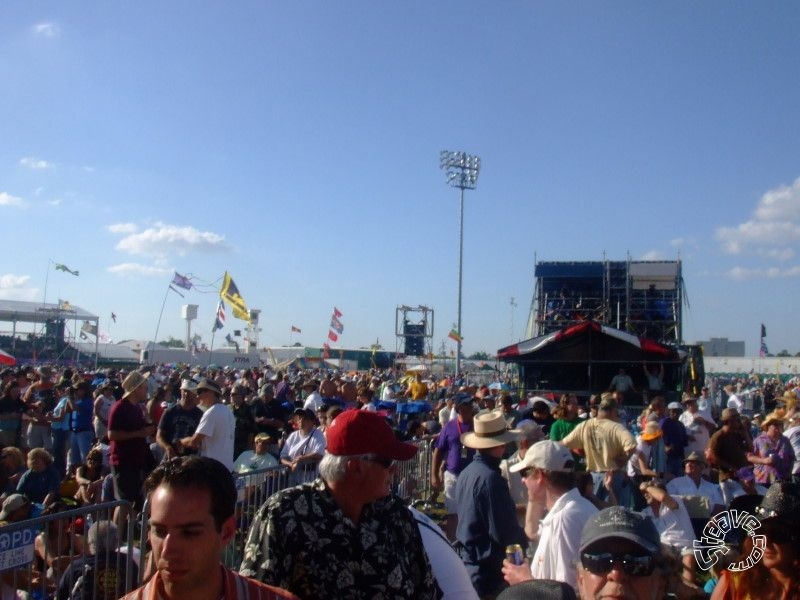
(644, 298)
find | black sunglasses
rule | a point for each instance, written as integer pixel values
(601, 563)
(777, 535)
(386, 463)
(527, 471)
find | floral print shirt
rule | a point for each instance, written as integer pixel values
(300, 540)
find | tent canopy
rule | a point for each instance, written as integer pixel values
(583, 359)
(589, 342)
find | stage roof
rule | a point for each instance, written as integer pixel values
(38, 312)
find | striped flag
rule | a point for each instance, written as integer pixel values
(296, 329)
(336, 325)
(219, 322)
(454, 335)
(336, 312)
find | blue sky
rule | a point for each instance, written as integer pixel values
(296, 145)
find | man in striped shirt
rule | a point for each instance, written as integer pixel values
(192, 502)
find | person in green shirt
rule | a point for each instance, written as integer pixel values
(566, 414)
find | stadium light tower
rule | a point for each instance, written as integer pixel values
(461, 170)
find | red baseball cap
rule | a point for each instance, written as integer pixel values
(363, 432)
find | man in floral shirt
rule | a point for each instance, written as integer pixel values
(344, 535)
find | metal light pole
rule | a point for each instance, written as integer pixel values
(462, 172)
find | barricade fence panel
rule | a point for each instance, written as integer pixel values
(69, 553)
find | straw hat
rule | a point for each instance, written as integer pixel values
(771, 420)
(489, 430)
(651, 431)
(133, 381)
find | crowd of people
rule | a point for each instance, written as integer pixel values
(539, 495)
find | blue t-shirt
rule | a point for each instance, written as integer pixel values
(81, 417)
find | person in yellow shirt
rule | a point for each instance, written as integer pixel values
(418, 388)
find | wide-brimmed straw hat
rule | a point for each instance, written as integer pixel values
(770, 420)
(489, 429)
(133, 381)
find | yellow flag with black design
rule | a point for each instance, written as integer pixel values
(230, 293)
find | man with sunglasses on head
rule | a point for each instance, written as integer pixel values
(620, 557)
(344, 535)
(547, 472)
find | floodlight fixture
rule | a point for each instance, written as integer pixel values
(461, 169)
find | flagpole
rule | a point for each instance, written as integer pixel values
(211, 349)
(161, 314)
(44, 298)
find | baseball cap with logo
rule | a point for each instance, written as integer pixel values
(619, 522)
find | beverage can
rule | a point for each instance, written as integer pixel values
(514, 554)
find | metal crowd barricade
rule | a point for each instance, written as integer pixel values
(64, 535)
(413, 476)
(253, 488)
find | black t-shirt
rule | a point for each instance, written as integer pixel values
(270, 410)
(177, 423)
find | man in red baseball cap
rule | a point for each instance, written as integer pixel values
(344, 534)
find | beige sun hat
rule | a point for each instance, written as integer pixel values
(489, 429)
(133, 381)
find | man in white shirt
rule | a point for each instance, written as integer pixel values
(699, 425)
(314, 400)
(693, 484)
(733, 399)
(447, 410)
(547, 471)
(672, 521)
(214, 435)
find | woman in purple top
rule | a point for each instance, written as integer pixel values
(773, 456)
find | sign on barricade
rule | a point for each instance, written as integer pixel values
(16, 548)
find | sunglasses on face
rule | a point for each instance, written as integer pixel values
(601, 563)
(777, 535)
(386, 463)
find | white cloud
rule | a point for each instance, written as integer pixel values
(164, 240)
(138, 269)
(49, 30)
(13, 287)
(745, 274)
(55, 202)
(123, 228)
(677, 242)
(9, 280)
(781, 254)
(7, 199)
(35, 163)
(653, 255)
(773, 231)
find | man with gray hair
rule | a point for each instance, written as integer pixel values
(102, 574)
(351, 507)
